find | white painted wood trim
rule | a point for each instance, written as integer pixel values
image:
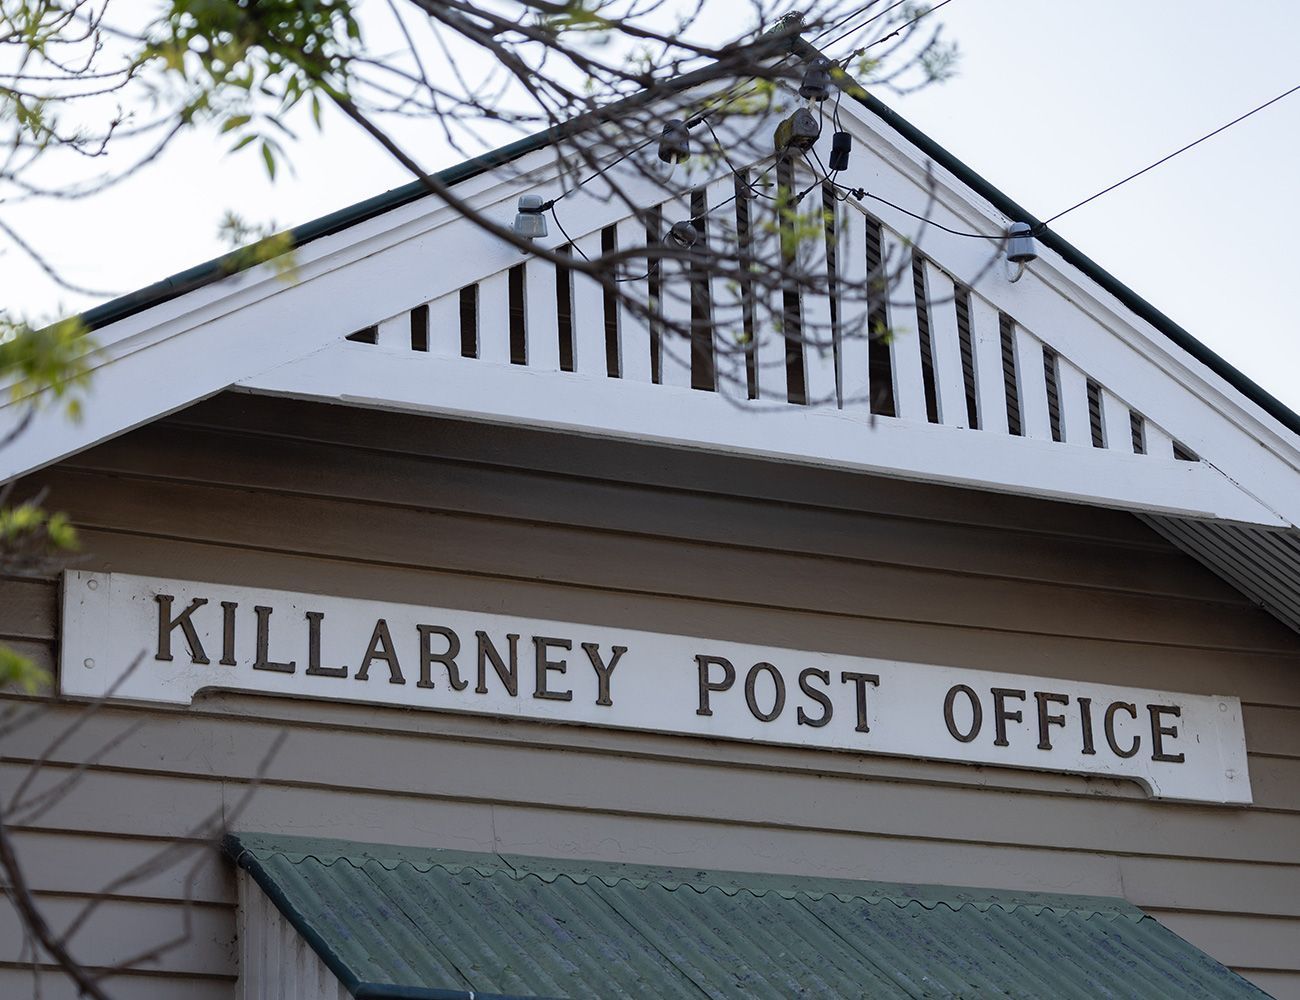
(1072, 390)
(1031, 380)
(494, 319)
(1158, 442)
(541, 316)
(633, 331)
(990, 378)
(444, 325)
(588, 314)
(394, 333)
(810, 435)
(214, 336)
(945, 346)
(905, 338)
(1116, 428)
(855, 349)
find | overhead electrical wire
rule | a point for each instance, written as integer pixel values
(828, 177)
(854, 13)
(704, 116)
(1166, 159)
(902, 27)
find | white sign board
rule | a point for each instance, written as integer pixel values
(186, 637)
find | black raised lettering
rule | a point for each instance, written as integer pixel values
(1000, 714)
(707, 686)
(602, 669)
(751, 699)
(167, 625)
(1046, 719)
(508, 675)
(1159, 732)
(1085, 720)
(860, 682)
(264, 661)
(381, 648)
(821, 697)
(545, 665)
(228, 634)
(448, 658)
(314, 668)
(976, 713)
(1108, 724)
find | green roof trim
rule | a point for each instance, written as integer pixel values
(405, 922)
(220, 267)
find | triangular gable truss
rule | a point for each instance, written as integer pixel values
(1072, 396)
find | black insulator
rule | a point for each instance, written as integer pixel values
(817, 80)
(682, 235)
(841, 143)
(675, 143)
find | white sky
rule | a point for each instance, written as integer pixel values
(1054, 100)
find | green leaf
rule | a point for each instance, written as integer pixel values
(268, 157)
(234, 122)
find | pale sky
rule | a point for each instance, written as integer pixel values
(1054, 100)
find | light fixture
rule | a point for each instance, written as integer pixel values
(530, 223)
(675, 142)
(816, 84)
(1021, 248)
(683, 235)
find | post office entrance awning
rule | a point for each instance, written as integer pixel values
(415, 923)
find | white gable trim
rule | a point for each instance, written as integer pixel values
(255, 331)
(361, 375)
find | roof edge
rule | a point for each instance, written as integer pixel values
(1273, 406)
(230, 263)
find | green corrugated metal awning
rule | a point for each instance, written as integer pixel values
(409, 922)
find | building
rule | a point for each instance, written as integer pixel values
(516, 680)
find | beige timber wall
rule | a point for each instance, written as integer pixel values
(296, 496)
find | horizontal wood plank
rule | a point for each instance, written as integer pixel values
(309, 469)
(548, 451)
(636, 564)
(50, 983)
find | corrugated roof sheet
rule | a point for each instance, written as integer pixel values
(411, 922)
(1263, 563)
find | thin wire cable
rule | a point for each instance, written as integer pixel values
(861, 10)
(1222, 128)
(885, 38)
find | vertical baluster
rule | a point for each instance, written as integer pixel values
(851, 309)
(444, 326)
(945, 345)
(541, 317)
(588, 313)
(1030, 379)
(675, 292)
(1158, 442)
(724, 293)
(1072, 384)
(494, 319)
(769, 334)
(815, 304)
(395, 332)
(990, 386)
(633, 331)
(1116, 430)
(905, 340)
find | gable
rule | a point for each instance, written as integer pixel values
(1052, 386)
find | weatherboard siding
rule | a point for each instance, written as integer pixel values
(295, 496)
